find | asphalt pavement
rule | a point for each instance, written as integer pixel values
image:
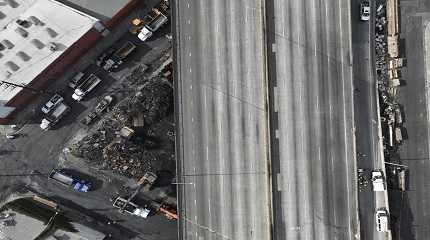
(313, 151)
(222, 149)
(28, 159)
(411, 209)
(366, 120)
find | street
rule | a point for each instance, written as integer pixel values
(365, 113)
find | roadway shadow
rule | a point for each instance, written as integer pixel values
(164, 178)
(402, 218)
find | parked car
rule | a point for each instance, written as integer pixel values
(54, 101)
(365, 11)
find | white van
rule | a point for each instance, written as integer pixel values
(381, 220)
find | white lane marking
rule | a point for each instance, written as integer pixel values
(188, 5)
(189, 54)
(191, 87)
(190, 70)
(189, 37)
(189, 21)
(192, 119)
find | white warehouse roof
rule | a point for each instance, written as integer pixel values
(33, 34)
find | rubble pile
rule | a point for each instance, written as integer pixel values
(388, 77)
(133, 156)
(91, 146)
(128, 159)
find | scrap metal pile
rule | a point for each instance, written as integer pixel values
(388, 73)
(388, 69)
(148, 145)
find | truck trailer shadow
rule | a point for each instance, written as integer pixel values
(401, 216)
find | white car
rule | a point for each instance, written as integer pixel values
(56, 99)
(378, 181)
(364, 11)
(144, 34)
(381, 220)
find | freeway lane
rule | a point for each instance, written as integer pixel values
(222, 149)
(314, 169)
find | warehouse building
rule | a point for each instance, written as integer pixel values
(39, 39)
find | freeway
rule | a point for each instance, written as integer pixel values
(222, 149)
(313, 158)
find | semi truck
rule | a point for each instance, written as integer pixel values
(131, 208)
(118, 56)
(70, 181)
(157, 19)
(54, 116)
(85, 87)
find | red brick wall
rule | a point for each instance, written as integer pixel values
(122, 14)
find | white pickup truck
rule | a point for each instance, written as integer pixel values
(157, 19)
(131, 208)
(378, 181)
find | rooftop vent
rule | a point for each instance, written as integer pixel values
(12, 3)
(23, 23)
(2, 15)
(23, 56)
(21, 31)
(51, 32)
(36, 21)
(52, 46)
(7, 43)
(12, 66)
(2, 47)
(37, 43)
(6, 74)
